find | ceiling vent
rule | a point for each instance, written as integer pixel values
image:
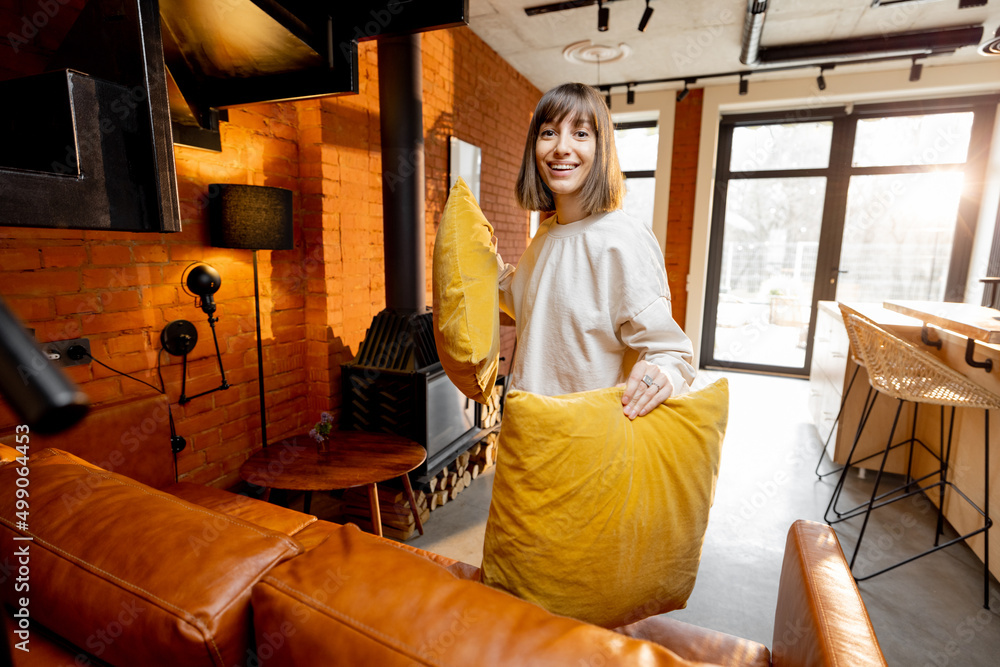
(588, 53)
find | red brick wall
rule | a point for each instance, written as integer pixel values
(683, 177)
(120, 289)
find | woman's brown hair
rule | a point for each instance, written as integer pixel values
(604, 189)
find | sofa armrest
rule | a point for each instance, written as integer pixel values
(820, 618)
(698, 644)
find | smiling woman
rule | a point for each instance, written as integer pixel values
(595, 274)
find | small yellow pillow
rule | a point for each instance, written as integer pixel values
(598, 517)
(466, 297)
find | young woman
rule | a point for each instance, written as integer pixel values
(589, 295)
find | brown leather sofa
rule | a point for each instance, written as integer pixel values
(123, 566)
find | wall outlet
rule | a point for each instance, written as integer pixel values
(57, 351)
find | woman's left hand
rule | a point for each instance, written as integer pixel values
(647, 386)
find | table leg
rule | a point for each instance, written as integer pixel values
(375, 512)
(413, 503)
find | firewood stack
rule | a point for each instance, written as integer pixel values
(397, 518)
(489, 414)
(459, 475)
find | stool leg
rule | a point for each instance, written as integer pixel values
(913, 439)
(838, 487)
(413, 503)
(878, 480)
(943, 482)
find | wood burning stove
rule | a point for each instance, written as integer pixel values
(396, 383)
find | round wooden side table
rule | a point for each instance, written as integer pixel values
(352, 458)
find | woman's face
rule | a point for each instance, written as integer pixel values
(564, 154)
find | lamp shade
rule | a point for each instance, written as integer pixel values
(254, 217)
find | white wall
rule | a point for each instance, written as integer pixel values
(803, 93)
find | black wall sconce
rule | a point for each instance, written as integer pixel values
(179, 337)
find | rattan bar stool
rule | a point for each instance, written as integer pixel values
(903, 371)
(866, 410)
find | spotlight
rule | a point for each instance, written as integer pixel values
(607, 97)
(630, 95)
(681, 94)
(603, 14)
(646, 15)
(820, 81)
(744, 85)
(916, 69)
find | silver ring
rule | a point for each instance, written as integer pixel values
(649, 382)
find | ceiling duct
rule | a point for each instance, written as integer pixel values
(900, 45)
(753, 27)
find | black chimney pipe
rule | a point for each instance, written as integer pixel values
(400, 92)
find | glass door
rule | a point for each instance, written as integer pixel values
(879, 203)
(771, 198)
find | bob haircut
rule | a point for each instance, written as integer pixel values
(604, 190)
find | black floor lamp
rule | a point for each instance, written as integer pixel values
(252, 217)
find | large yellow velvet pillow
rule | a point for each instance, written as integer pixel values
(466, 298)
(598, 517)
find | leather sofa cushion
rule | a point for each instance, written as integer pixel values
(354, 600)
(131, 438)
(8, 453)
(267, 515)
(133, 575)
(598, 517)
(699, 644)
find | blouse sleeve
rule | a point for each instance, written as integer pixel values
(505, 281)
(658, 339)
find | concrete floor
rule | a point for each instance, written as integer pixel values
(928, 612)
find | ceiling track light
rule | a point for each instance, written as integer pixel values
(603, 15)
(681, 94)
(744, 84)
(646, 15)
(916, 69)
(629, 95)
(821, 80)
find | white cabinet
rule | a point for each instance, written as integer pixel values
(827, 370)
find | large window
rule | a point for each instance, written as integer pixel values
(637, 144)
(873, 204)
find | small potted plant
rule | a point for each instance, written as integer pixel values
(321, 432)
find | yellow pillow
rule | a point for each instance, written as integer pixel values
(598, 517)
(466, 298)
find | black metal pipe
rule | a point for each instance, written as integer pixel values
(400, 92)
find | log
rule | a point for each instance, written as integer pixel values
(466, 479)
(463, 460)
(474, 470)
(441, 497)
(475, 450)
(432, 485)
(432, 504)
